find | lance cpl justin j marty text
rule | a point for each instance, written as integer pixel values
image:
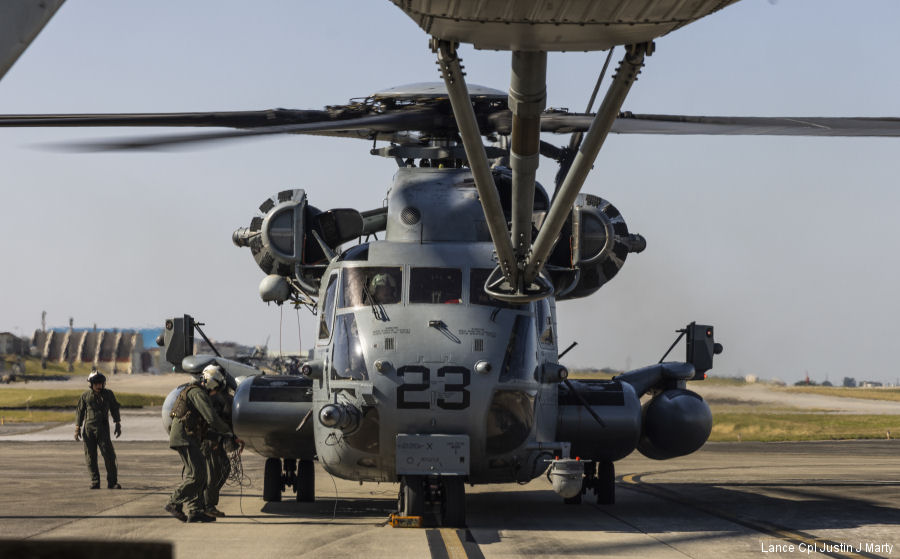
(826, 547)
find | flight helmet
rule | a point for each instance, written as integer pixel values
(96, 377)
(213, 379)
(382, 280)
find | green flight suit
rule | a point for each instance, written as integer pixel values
(91, 416)
(218, 466)
(187, 444)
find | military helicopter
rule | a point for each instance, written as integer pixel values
(437, 360)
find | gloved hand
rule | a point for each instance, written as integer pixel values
(118, 430)
(77, 433)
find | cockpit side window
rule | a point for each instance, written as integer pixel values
(348, 360)
(435, 285)
(381, 285)
(477, 295)
(328, 308)
(519, 361)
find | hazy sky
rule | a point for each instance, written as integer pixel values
(787, 245)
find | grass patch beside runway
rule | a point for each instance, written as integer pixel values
(730, 427)
(40, 398)
(54, 368)
(36, 416)
(891, 394)
(589, 374)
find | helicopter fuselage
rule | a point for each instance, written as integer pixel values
(440, 359)
(434, 355)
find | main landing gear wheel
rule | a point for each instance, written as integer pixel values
(272, 484)
(305, 483)
(606, 483)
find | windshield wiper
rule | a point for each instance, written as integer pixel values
(377, 308)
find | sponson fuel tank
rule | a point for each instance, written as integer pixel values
(267, 411)
(615, 403)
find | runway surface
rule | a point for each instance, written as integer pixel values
(728, 499)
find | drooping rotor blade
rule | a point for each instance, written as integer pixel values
(380, 126)
(627, 123)
(231, 119)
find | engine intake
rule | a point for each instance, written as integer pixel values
(591, 249)
(291, 239)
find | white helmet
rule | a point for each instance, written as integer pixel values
(213, 378)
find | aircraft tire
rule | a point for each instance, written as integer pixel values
(306, 481)
(606, 483)
(272, 481)
(453, 507)
(412, 496)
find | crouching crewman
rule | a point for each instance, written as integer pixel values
(193, 417)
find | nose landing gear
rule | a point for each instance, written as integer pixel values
(438, 500)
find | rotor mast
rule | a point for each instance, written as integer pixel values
(625, 76)
(518, 277)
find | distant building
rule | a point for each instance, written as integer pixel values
(849, 382)
(870, 384)
(10, 344)
(110, 350)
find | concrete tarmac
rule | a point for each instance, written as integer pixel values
(826, 499)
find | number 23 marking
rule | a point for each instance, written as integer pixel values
(458, 388)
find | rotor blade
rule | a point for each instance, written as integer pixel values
(382, 126)
(627, 123)
(232, 119)
(758, 126)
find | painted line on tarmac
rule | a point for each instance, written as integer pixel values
(436, 544)
(450, 543)
(634, 482)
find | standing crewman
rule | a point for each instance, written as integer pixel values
(92, 423)
(215, 447)
(193, 417)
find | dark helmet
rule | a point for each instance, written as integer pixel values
(96, 377)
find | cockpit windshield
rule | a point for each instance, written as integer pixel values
(435, 285)
(376, 285)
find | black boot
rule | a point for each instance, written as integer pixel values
(200, 516)
(175, 510)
